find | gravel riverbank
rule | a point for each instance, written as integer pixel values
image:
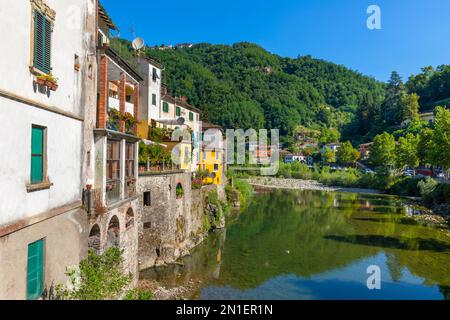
(297, 184)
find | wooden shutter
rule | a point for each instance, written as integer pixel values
(165, 107)
(178, 111)
(191, 116)
(42, 42)
(37, 155)
(35, 270)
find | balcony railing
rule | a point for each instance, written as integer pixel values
(112, 191)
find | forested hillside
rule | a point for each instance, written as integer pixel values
(245, 86)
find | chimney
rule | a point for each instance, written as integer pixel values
(184, 99)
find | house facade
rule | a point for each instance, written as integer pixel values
(42, 226)
(110, 196)
(212, 154)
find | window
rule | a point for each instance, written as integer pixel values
(165, 107)
(113, 160)
(217, 155)
(129, 160)
(204, 155)
(37, 154)
(147, 199)
(216, 167)
(178, 111)
(35, 270)
(154, 74)
(191, 116)
(42, 43)
(154, 99)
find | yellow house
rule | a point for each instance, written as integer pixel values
(212, 158)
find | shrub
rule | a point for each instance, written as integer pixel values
(99, 277)
(427, 188)
(245, 192)
(138, 294)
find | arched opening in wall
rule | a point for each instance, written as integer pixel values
(179, 191)
(129, 219)
(113, 239)
(94, 239)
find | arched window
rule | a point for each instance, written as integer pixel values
(129, 219)
(94, 239)
(113, 239)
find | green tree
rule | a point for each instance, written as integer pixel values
(392, 106)
(440, 154)
(425, 146)
(329, 136)
(329, 156)
(382, 151)
(407, 152)
(410, 106)
(346, 154)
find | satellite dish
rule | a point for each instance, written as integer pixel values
(181, 121)
(138, 44)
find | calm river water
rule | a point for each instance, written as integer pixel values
(315, 245)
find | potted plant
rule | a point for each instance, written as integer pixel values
(130, 123)
(48, 80)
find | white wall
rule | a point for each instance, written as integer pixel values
(148, 111)
(64, 134)
(67, 39)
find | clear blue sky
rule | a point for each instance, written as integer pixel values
(414, 34)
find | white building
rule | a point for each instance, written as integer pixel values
(44, 66)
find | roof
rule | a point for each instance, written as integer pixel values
(105, 16)
(154, 62)
(180, 103)
(122, 63)
(207, 126)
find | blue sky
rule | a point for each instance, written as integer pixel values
(414, 34)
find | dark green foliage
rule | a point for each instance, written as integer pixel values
(244, 86)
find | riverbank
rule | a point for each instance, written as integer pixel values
(299, 184)
(436, 217)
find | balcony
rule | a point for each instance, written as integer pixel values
(118, 103)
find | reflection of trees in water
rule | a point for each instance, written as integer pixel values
(304, 233)
(202, 265)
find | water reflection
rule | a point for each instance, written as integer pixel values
(313, 245)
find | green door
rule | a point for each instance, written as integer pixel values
(35, 270)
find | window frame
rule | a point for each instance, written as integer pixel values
(110, 160)
(130, 162)
(43, 155)
(41, 271)
(165, 107)
(47, 20)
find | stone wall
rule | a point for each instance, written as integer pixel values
(118, 227)
(170, 226)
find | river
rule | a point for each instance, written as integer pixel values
(317, 245)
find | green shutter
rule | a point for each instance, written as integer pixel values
(191, 116)
(154, 99)
(35, 270)
(37, 155)
(42, 42)
(178, 111)
(165, 107)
